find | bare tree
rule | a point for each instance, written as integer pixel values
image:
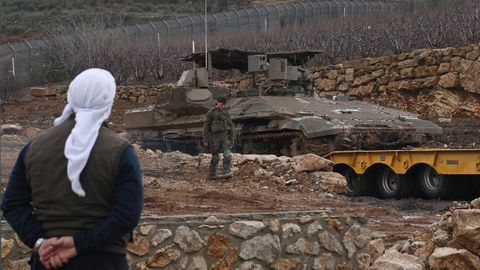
(131, 58)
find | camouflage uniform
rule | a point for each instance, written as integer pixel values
(218, 132)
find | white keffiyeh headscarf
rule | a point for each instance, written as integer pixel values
(90, 96)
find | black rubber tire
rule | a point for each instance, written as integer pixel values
(463, 188)
(357, 185)
(476, 186)
(391, 185)
(434, 185)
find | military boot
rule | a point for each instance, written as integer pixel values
(212, 175)
(227, 174)
(212, 171)
(227, 161)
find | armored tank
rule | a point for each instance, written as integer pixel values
(280, 116)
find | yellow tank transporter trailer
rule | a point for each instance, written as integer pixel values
(430, 173)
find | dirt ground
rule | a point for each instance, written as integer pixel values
(175, 187)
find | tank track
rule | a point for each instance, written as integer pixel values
(290, 143)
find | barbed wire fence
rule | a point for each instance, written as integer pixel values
(28, 63)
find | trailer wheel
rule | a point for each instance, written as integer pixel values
(391, 185)
(476, 186)
(434, 185)
(356, 184)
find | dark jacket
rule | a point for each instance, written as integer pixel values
(102, 219)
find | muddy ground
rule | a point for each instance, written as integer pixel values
(173, 188)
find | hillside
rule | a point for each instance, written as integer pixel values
(27, 19)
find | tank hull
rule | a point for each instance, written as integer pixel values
(285, 125)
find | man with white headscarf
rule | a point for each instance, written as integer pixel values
(75, 193)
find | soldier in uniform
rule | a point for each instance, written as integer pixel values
(218, 134)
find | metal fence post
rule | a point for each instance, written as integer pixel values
(267, 19)
(258, 18)
(30, 69)
(248, 18)
(139, 28)
(216, 23)
(156, 35)
(49, 47)
(181, 28)
(238, 19)
(304, 6)
(295, 20)
(227, 18)
(167, 27)
(153, 27)
(313, 7)
(287, 15)
(278, 13)
(192, 33)
(13, 64)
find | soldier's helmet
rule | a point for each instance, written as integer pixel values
(222, 99)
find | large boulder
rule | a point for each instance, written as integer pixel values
(356, 238)
(376, 248)
(447, 258)
(264, 248)
(394, 260)
(466, 230)
(475, 204)
(325, 84)
(446, 221)
(449, 80)
(188, 240)
(331, 182)
(43, 91)
(245, 229)
(311, 163)
(470, 75)
(241, 159)
(441, 238)
(439, 102)
(423, 250)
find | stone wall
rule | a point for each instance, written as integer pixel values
(293, 240)
(141, 94)
(431, 82)
(434, 82)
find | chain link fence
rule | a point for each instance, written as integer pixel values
(25, 64)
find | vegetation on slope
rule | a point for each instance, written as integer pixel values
(26, 19)
(143, 60)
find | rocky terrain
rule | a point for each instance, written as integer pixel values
(406, 234)
(450, 243)
(176, 184)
